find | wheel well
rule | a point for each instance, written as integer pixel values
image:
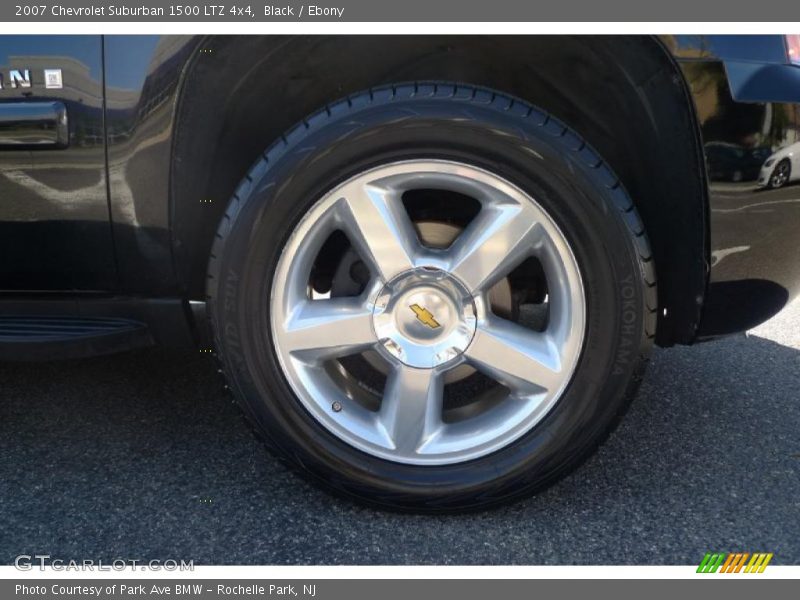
(624, 95)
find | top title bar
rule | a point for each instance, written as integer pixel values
(462, 11)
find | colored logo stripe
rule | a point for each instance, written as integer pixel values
(758, 563)
(710, 563)
(733, 562)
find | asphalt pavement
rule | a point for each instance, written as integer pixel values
(143, 456)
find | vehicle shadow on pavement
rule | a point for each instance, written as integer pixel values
(143, 456)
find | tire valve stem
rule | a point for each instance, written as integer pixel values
(336, 406)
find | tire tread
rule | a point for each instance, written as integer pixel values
(568, 139)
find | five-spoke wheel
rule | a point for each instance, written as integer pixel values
(426, 311)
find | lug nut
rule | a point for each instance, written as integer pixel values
(392, 347)
(336, 406)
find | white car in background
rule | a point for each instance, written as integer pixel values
(781, 168)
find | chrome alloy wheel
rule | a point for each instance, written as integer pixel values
(426, 311)
(781, 174)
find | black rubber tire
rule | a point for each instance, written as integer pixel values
(490, 130)
(785, 161)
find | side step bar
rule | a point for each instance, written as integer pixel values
(40, 337)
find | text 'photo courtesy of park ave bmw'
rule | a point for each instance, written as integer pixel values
(430, 269)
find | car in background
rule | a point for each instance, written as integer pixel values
(781, 168)
(734, 163)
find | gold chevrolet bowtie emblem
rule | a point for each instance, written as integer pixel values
(425, 316)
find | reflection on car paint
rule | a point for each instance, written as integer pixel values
(751, 222)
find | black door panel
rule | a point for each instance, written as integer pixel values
(55, 232)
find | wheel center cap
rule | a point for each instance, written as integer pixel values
(424, 318)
